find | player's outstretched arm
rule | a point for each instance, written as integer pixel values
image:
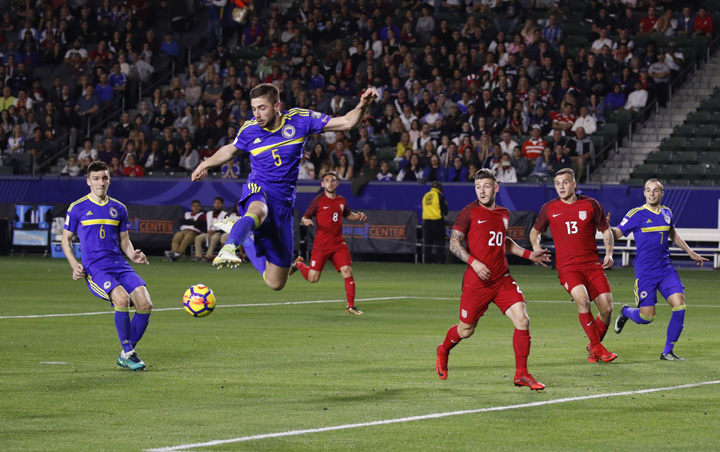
(223, 155)
(135, 255)
(306, 221)
(357, 216)
(352, 118)
(77, 267)
(464, 255)
(539, 257)
(680, 243)
(617, 233)
(609, 241)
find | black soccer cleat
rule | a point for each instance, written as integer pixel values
(670, 356)
(620, 321)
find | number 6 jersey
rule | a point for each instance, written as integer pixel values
(573, 229)
(485, 231)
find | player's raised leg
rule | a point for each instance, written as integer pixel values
(238, 232)
(521, 345)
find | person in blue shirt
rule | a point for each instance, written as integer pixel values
(102, 225)
(275, 142)
(653, 227)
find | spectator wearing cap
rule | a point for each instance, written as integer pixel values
(533, 147)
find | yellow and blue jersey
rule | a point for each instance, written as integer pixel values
(275, 154)
(98, 225)
(651, 229)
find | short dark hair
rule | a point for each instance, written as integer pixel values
(97, 166)
(485, 173)
(566, 171)
(196, 201)
(266, 90)
(219, 198)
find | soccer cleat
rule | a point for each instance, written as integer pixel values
(293, 267)
(620, 321)
(171, 256)
(602, 354)
(353, 310)
(591, 354)
(530, 382)
(670, 356)
(122, 361)
(225, 224)
(441, 362)
(133, 362)
(227, 258)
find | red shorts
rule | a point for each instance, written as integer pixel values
(339, 256)
(477, 296)
(592, 276)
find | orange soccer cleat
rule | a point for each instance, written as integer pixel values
(530, 382)
(441, 363)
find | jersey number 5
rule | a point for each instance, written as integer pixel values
(276, 157)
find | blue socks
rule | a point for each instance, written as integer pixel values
(241, 229)
(138, 325)
(634, 315)
(259, 262)
(122, 324)
(674, 329)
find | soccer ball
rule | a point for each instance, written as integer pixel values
(199, 300)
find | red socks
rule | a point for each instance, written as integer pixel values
(452, 338)
(521, 345)
(350, 291)
(588, 324)
(601, 328)
(304, 269)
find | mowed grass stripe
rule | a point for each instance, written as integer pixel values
(428, 416)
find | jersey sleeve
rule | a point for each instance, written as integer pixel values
(542, 223)
(71, 221)
(317, 121)
(346, 209)
(240, 141)
(462, 224)
(600, 218)
(125, 224)
(627, 225)
(312, 209)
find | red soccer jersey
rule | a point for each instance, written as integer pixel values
(485, 231)
(573, 229)
(329, 213)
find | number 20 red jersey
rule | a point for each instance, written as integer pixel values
(573, 229)
(485, 231)
(329, 213)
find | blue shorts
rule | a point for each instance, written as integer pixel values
(665, 280)
(106, 274)
(274, 238)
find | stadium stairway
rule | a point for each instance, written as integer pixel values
(645, 140)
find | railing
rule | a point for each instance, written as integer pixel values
(142, 92)
(642, 116)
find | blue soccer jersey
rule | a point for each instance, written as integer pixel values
(275, 154)
(98, 226)
(651, 231)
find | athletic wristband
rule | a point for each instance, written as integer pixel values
(470, 260)
(526, 254)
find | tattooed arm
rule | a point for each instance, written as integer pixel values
(609, 240)
(462, 253)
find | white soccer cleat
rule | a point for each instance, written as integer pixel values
(225, 224)
(227, 258)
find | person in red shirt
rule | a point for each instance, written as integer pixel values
(573, 220)
(132, 169)
(647, 24)
(487, 278)
(703, 23)
(329, 208)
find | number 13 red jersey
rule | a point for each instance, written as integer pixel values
(485, 231)
(573, 229)
(329, 213)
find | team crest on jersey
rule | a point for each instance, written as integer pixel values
(583, 215)
(113, 212)
(464, 314)
(505, 222)
(288, 131)
(667, 219)
(566, 286)
(107, 285)
(643, 295)
(342, 206)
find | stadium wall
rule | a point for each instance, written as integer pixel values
(694, 207)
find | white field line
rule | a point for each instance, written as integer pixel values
(425, 417)
(284, 303)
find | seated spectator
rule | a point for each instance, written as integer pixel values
(115, 168)
(586, 121)
(192, 224)
(412, 171)
(132, 169)
(533, 147)
(703, 25)
(542, 165)
(507, 145)
(307, 169)
(155, 158)
(520, 163)
(343, 169)
(582, 150)
(339, 151)
(87, 106)
(213, 237)
(434, 171)
(88, 151)
(385, 175)
(71, 168)
(37, 146)
(172, 158)
(371, 169)
(457, 171)
(190, 158)
(637, 99)
(504, 172)
(559, 161)
(491, 160)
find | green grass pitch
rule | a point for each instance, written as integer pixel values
(259, 366)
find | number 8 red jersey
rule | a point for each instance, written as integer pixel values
(485, 231)
(329, 213)
(573, 229)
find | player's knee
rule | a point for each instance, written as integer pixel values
(313, 278)
(645, 319)
(144, 305)
(522, 323)
(275, 285)
(465, 333)
(121, 302)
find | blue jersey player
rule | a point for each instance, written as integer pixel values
(275, 142)
(653, 227)
(101, 223)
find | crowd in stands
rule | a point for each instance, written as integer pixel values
(464, 84)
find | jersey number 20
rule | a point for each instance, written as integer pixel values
(496, 239)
